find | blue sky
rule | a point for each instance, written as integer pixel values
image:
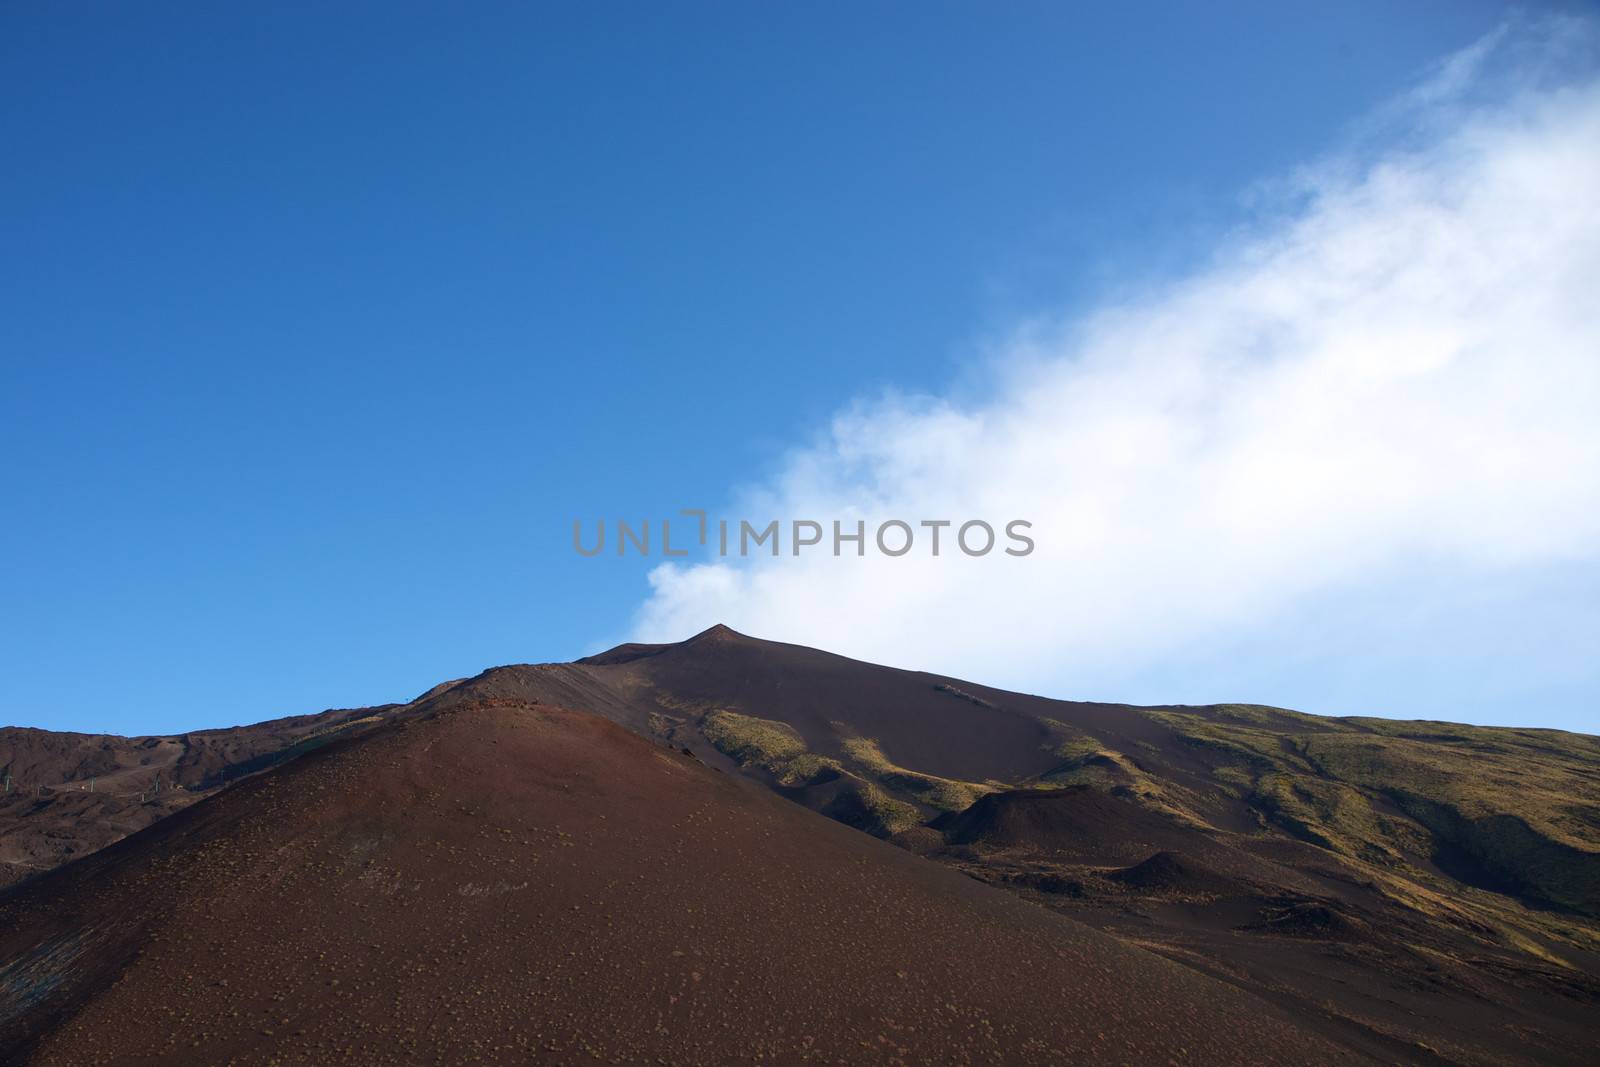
(318, 329)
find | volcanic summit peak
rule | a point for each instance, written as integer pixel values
(718, 634)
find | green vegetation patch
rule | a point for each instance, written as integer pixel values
(1085, 760)
(773, 746)
(945, 794)
(1522, 806)
(1328, 814)
(1479, 776)
(1256, 748)
(867, 807)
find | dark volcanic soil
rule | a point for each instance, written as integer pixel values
(67, 794)
(481, 876)
(512, 884)
(1078, 822)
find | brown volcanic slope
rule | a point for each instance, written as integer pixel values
(1423, 891)
(1418, 892)
(65, 794)
(515, 883)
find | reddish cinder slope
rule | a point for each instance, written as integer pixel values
(517, 883)
(65, 794)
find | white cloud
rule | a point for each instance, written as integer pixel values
(1398, 377)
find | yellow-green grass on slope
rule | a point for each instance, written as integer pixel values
(1085, 760)
(945, 794)
(1256, 748)
(1257, 762)
(1334, 816)
(1267, 717)
(1478, 774)
(776, 748)
(885, 815)
(1518, 808)
(751, 740)
(766, 743)
(1529, 818)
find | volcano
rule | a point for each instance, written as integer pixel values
(730, 849)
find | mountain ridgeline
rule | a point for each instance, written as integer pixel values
(1361, 889)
